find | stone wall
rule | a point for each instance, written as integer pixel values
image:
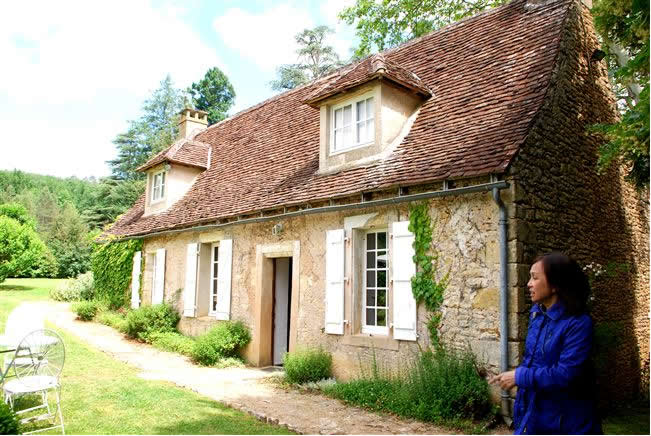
(561, 203)
(465, 236)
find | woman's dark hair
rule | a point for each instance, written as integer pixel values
(568, 279)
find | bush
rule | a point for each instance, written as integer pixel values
(305, 366)
(85, 310)
(80, 288)
(159, 318)
(112, 319)
(440, 386)
(224, 340)
(172, 341)
(8, 420)
(112, 263)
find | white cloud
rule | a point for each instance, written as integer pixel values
(343, 33)
(265, 38)
(58, 149)
(73, 50)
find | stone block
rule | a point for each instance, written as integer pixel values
(486, 298)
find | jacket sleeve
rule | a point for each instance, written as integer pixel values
(576, 350)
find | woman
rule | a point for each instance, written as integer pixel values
(555, 380)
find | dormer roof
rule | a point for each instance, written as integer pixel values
(186, 152)
(372, 68)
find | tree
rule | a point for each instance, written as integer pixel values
(19, 213)
(315, 59)
(20, 248)
(112, 198)
(154, 131)
(623, 26)
(213, 94)
(68, 242)
(385, 24)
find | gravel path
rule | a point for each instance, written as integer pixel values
(240, 388)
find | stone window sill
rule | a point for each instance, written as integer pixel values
(370, 341)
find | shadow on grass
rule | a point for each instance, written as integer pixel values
(633, 419)
(15, 288)
(219, 419)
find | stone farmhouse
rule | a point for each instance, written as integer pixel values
(292, 216)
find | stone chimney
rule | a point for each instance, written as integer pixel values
(191, 122)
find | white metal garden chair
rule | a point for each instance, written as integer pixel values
(21, 321)
(37, 364)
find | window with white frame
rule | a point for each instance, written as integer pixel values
(375, 284)
(158, 186)
(214, 268)
(353, 124)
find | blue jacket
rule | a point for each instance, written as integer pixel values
(555, 382)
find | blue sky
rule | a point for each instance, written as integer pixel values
(75, 72)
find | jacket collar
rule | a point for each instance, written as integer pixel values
(554, 312)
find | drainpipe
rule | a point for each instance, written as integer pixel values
(504, 300)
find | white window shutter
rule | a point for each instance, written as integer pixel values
(190, 288)
(403, 269)
(159, 282)
(334, 286)
(135, 280)
(224, 271)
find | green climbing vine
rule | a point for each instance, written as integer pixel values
(112, 263)
(425, 285)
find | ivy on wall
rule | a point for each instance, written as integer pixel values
(425, 286)
(112, 264)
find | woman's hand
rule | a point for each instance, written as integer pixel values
(505, 380)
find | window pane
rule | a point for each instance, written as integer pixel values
(214, 270)
(370, 241)
(370, 297)
(339, 135)
(370, 259)
(382, 317)
(370, 316)
(348, 136)
(339, 113)
(381, 298)
(381, 279)
(360, 132)
(370, 113)
(162, 191)
(370, 130)
(382, 240)
(370, 279)
(361, 111)
(381, 259)
(348, 115)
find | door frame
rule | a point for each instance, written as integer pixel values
(260, 352)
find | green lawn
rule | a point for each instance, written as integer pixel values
(104, 396)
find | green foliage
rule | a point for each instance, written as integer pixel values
(315, 60)
(18, 212)
(623, 26)
(112, 319)
(8, 420)
(111, 199)
(172, 341)
(440, 386)
(424, 284)
(85, 310)
(224, 340)
(112, 264)
(213, 94)
(20, 248)
(385, 24)
(310, 365)
(606, 338)
(157, 318)
(66, 238)
(81, 288)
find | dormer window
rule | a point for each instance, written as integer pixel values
(158, 186)
(353, 124)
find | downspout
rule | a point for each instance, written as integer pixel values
(504, 301)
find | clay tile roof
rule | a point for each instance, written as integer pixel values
(185, 152)
(488, 75)
(371, 68)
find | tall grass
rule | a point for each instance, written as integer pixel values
(439, 385)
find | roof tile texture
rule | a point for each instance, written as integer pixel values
(488, 76)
